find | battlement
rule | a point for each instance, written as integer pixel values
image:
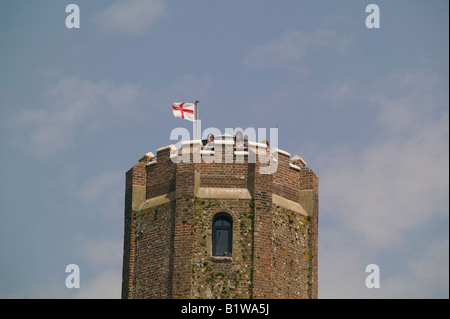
(224, 150)
(269, 198)
(231, 169)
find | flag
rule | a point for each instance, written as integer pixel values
(184, 110)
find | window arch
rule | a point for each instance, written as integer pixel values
(222, 235)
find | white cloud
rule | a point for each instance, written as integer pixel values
(401, 177)
(338, 92)
(393, 186)
(186, 88)
(408, 100)
(423, 277)
(104, 253)
(291, 48)
(106, 185)
(133, 16)
(343, 260)
(40, 286)
(342, 263)
(73, 106)
(106, 285)
(380, 195)
(100, 257)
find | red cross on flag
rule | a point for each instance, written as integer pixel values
(184, 110)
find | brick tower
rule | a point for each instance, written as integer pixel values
(202, 228)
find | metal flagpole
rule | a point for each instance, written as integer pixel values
(196, 117)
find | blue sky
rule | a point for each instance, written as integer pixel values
(367, 109)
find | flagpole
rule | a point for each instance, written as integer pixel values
(196, 117)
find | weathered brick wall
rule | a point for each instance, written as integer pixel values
(295, 237)
(135, 180)
(286, 181)
(262, 233)
(155, 229)
(229, 172)
(222, 277)
(309, 197)
(161, 177)
(290, 254)
(227, 175)
(274, 248)
(184, 226)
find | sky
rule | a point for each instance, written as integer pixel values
(366, 108)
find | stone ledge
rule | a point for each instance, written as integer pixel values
(158, 200)
(277, 150)
(191, 142)
(216, 192)
(297, 159)
(256, 144)
(221, 259)
(223, 142)
(288, 204)
(147, 157)
(171, 147)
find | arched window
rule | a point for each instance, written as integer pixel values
(222, 236)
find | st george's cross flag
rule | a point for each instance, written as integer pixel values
(184, 110)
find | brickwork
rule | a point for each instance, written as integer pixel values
(309, 184)
(227, 175)
(135, 184)
(184, 227)
(286, 182)
(262, 258)
(170, 205)
(290, 254)
(222, 277)
(155, 248)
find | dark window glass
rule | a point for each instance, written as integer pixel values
(222, 236)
